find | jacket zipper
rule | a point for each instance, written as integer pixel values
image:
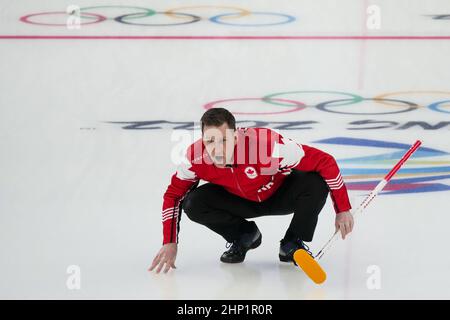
(237, 182)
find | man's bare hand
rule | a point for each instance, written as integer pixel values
(166, 256)
(344, 223)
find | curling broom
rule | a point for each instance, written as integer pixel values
(308, 263)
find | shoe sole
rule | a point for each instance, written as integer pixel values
(285, 258)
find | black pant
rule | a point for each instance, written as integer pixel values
(302, 193)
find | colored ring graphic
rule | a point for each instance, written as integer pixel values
(148, 12)
(435, 106)
(173, 13)
(382, 96)
(218, 19)
(26, 19)
(241, 12)
(355, 98)
(298, 106)
(325, 105)
(122, 18)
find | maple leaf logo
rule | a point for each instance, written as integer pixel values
(250, 172)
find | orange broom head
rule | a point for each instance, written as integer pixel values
(310, 266)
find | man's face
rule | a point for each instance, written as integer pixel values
(219, 143)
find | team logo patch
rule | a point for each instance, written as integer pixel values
(251, 172)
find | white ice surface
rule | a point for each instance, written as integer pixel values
(76, 190)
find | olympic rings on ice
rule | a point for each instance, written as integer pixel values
(132, 17)
(282, 99)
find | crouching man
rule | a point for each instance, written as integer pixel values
(250, 172)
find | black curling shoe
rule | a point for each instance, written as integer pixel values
(238, 248)
(288, 248)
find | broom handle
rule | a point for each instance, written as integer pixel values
(372, 194)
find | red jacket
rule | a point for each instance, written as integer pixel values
(262, 160)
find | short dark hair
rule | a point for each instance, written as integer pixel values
(217, 117)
